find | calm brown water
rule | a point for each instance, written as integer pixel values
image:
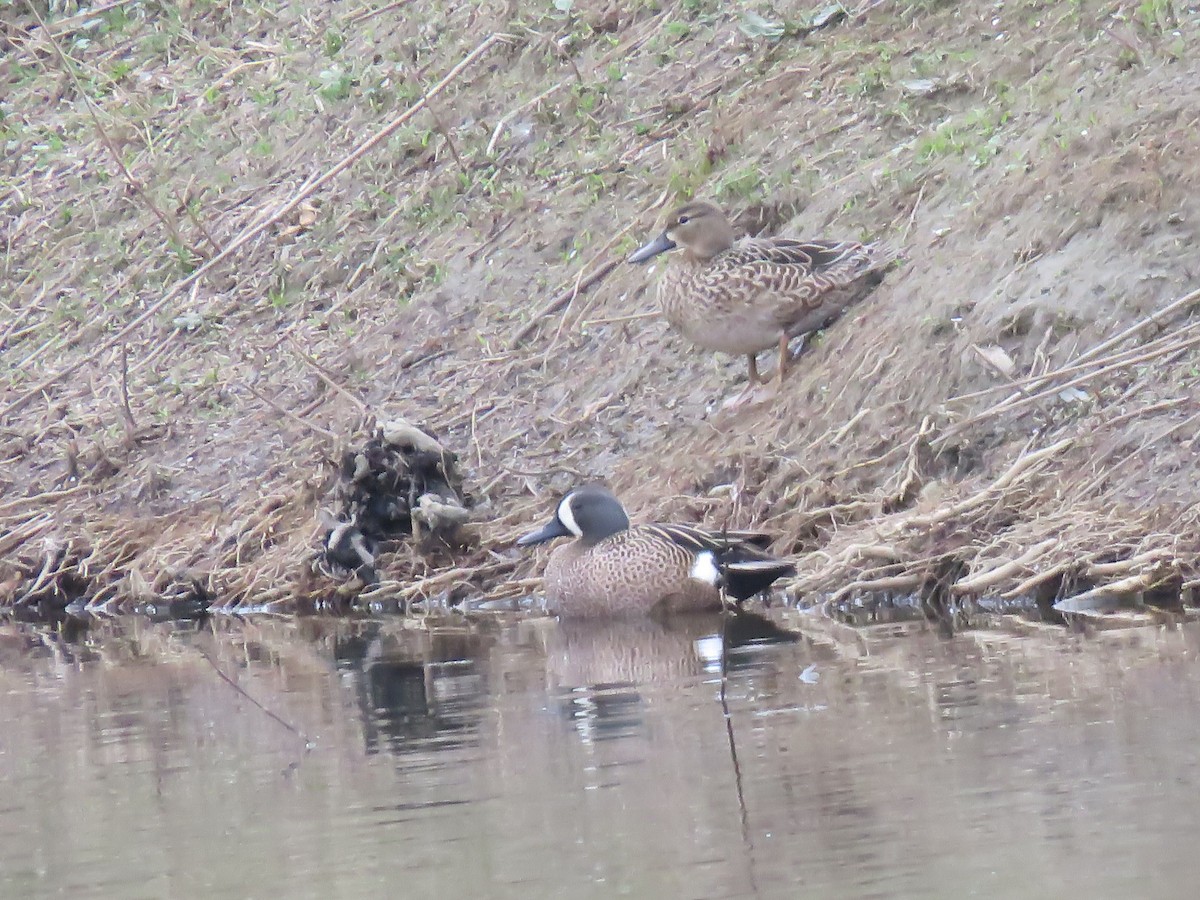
(534, 760)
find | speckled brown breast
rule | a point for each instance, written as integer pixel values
(712, 315)
(629, 572)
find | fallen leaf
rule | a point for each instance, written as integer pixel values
(996, 357)
(755, 26)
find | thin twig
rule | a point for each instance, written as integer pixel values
(241, 690)
(563, 298)
(1133, 355)
(317, 429)
(617, 320)
(1169, 403)
(326, 376)
(194, 216)
(20, 317)
(362, 15)
(608, 245)
(512, 113)
(126, 410)
(445, 133)
(45, 497)
(1016, 403)
(62, 26)
(913, 215)
(1079, 362)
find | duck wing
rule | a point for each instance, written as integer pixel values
(786, 257)
(699, 539)
(796, 285)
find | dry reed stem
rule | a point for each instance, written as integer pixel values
(325, 375)
(1014, 404)
(1026, 587)
(1133, 584)
(1082, 361)
(563, 299)
(516, 111)
(982, 581)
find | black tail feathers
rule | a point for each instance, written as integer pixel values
(745, 572)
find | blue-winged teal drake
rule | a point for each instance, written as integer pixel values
(614, 568)
(746, 296)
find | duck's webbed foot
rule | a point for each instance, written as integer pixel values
(753, 393)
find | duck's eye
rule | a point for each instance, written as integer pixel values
(683, 220)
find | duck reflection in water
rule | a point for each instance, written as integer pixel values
(597, 668)
(412, 687)
(415, 688)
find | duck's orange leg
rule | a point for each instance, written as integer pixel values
(755, 378)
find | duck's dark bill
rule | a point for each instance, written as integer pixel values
(660, 244)
(547, 532)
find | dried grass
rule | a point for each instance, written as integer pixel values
(180, 433)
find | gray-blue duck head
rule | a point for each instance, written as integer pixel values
(590, 513)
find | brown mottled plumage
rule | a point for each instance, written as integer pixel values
(614, 568)
(747, 296)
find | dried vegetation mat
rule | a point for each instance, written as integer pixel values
(243, 243)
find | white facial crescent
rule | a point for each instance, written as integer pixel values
(567, 517)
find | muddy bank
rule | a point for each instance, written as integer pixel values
(1012, 413)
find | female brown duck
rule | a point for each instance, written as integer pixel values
(743, 297)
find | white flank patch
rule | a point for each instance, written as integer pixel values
(705, 568)
(567, 517)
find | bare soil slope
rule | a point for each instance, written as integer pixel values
(1013, 410)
